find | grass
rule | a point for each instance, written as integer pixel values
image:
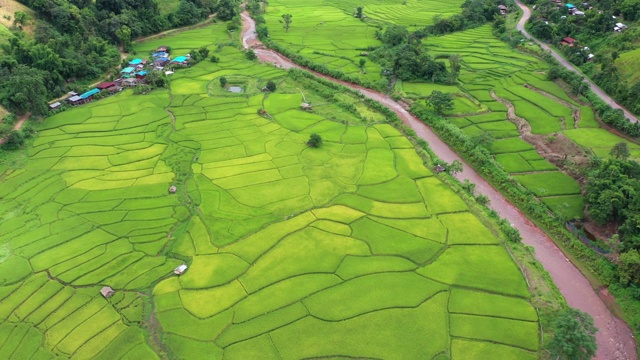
(627, 63)
(352, 249)
(549, 183)
(600, 141)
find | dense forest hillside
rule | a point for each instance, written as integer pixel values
(77, 39)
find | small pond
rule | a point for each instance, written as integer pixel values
(235, 89)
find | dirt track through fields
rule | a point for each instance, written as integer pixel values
(615, 340)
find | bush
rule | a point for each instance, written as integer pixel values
(314, 141)
(214, 59)
(271, 86)
(223, 81)
(251, 55)
(13, 141)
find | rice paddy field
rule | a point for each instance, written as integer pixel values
(493, 76)
(354, 249)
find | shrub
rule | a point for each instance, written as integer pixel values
(271, 86)
(223, 81)
(13, 141)
(314, 141)
(251, 55)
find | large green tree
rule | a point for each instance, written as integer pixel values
(227, 9)
(22, 89)
(440, 102)
(573, 336)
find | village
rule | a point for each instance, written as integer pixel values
(131, 76)
(573, 10)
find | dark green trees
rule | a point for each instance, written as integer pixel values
(271, 86)
(314, 141)
(573, 336)
(227, 9)
(402, 56)
(440, 102)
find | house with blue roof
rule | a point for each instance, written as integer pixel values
(181, 60)
(135, 62)
(128, 72)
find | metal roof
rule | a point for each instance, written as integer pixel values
(90, 93)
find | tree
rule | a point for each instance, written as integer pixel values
(359, 12)
(250, 55)
(214, 59)
(455, 167)
(620, 151)
(454, 60)
(440, 102)
(157, 79)
(124, 35)
(484, 139)
(394, 35)
(23, 90)
(223, 81)
(271, 86)
(13, 141)
(20, 19)
(362, 62)
(314, 141)
(573, 336)
(629, 268)
(227, 9)
(286, 20)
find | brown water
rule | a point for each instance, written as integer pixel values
(615, 339)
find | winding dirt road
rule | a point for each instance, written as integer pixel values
(615, 340)
(526, 14)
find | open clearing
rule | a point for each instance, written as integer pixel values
(353, 249)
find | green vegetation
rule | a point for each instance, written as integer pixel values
(293, 251)
(605, 52)
(573, 336)
(75, 42)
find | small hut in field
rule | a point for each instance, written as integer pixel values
(180, 269)
(107, 292)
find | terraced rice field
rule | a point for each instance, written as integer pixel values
(353, 249)
(492, 75)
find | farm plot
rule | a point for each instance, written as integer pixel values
(325, 34)
(286, 244)
(491, 72)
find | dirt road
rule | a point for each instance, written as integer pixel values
(526, 14)
(615, 340)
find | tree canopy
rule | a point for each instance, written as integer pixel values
(613, 194)
(573, 336)
(402, 56)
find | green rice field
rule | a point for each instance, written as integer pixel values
(350, 250)
(491, 71)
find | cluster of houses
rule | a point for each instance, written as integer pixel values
(130, 76)
(568, 41)
(573, 10)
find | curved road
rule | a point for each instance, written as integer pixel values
(615, 339)
(526, 14)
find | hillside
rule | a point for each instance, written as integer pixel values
(7, 10)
